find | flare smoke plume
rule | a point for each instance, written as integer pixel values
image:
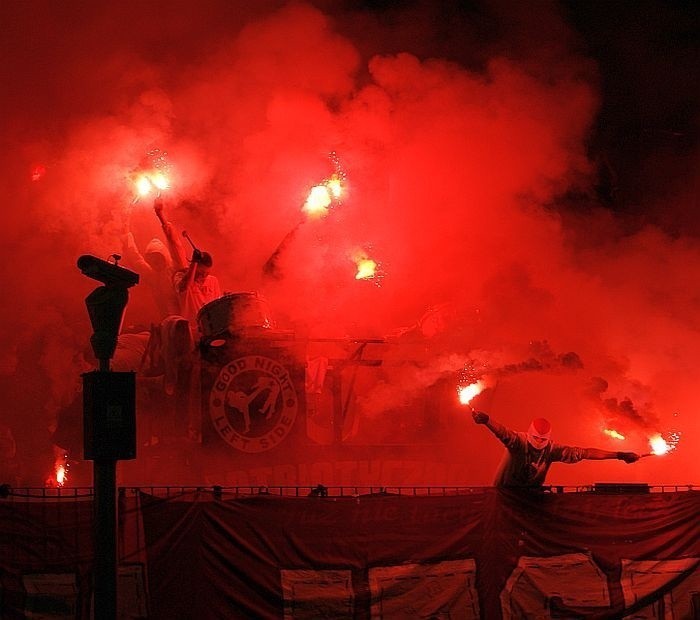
(466, 136)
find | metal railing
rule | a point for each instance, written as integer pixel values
(86, 493)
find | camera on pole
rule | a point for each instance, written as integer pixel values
(109, 418)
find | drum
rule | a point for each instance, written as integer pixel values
(234, 312)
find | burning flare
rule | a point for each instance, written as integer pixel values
(660, 446)
(143, 186)
(322, 196)
(160, 181)
(366, 268)
(61, 465)
(613, 433)
(335, 187)
(467, 392)
(146, 182)
(318, 201)
(152, 174)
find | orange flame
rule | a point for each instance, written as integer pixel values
(613, 433)
(467, 392)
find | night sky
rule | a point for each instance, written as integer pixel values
(528, 168)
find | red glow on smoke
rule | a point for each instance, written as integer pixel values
(460, 183)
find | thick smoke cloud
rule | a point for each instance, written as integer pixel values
(459, 153)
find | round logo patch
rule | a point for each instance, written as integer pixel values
(253, 403)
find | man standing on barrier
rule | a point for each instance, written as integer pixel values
(530, 454)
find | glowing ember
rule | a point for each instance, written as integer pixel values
(613, 433)
(467, 392)
(318, 201)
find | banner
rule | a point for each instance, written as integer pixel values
(479, 553)
(486, 554)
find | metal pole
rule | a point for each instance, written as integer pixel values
(105, 531)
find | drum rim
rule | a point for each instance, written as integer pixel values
(233, 327)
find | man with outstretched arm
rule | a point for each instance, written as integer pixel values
(530, 454)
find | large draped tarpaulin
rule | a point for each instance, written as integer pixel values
(479, 554)
(46, 552)
(485, 554)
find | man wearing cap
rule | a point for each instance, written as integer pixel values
(529, 455)
(194, 284)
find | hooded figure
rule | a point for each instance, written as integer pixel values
(155, 267)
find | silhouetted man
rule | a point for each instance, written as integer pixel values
(530, 454)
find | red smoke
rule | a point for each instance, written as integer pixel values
(455, 177)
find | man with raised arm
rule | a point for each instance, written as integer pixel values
(193, 281)
(530, 454)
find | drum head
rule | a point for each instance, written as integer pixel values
(234, 312)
